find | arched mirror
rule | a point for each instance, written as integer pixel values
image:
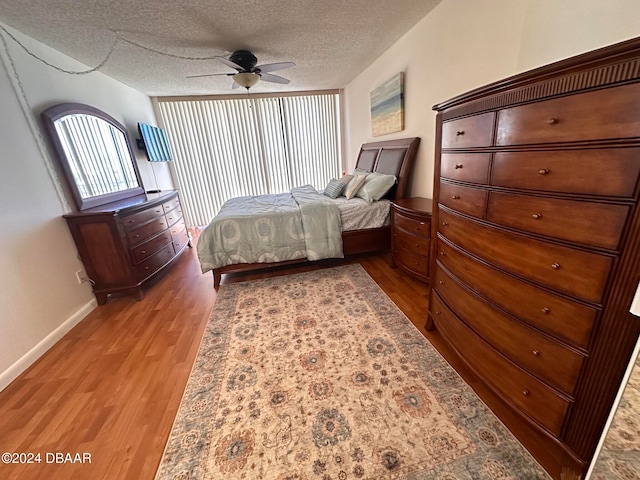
(95, 154)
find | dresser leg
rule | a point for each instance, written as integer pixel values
(139, 293)
(216, 278)
(429, 325)
(102, 298)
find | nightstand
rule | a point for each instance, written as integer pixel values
(411, 235)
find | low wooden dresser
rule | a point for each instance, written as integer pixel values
(411, 235)
(536, 255)
(123, 244)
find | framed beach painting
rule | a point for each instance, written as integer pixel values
(387, 107)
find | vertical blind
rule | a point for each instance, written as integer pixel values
(250, 146)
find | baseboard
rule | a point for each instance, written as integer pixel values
(28, 359)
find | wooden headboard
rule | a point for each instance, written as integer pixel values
(391, 157)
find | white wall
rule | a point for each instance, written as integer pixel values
(554, 30)
(40, 298)
(464, 44)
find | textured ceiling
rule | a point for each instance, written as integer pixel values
(330, 41)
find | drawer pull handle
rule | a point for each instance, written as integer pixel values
(441, 282)
(552, 121)
(438, 313)
(415, 263)
(525, 392)
(543, 171)
(546, 310)
(443, 254)
(132, 221)
(137, 235)
(455, 197)
(555, 266)
(147, 267)
(536, 353)
(143, 251)
(537, 216)
(444, 224)
(459, 132)
(417, 245)
(458, 166)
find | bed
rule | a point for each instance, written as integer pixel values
(365, 231)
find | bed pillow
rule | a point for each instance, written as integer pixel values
(376, 186)
(335, 188)
(346, 179)
(354, 185)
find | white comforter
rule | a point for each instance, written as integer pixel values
(272, 228)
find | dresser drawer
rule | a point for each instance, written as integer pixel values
(155, 263)
(597, 115)
(132, 221)
(180, 239)
(171, 204)
(606, 172)
(471, 201)
(576, 272)
(177, 227)
(148, 248)
(531, 396)
(589, 223)
(551, 362)
(147, 230)
(563, 318)
(174, 216)
(476, 131)
(466, 167)
(413, 262)
(413, 243)
(417, 227)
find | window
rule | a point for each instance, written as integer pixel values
(250, 146)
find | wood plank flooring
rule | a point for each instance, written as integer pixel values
(111, 387)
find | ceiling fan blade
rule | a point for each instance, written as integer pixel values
(235, 85)
(209, 75)
(231, 64)
(272, 67)
(268, 77)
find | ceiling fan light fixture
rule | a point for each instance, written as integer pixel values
(246, 79)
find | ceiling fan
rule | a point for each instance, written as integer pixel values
(247, 72)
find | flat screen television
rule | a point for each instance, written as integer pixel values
(155, 143)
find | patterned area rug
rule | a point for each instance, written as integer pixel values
(620, 454)
(319, 376)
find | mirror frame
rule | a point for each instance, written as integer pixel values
(56, 112)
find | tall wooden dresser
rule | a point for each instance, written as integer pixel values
(125, 243)
(536, 251)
